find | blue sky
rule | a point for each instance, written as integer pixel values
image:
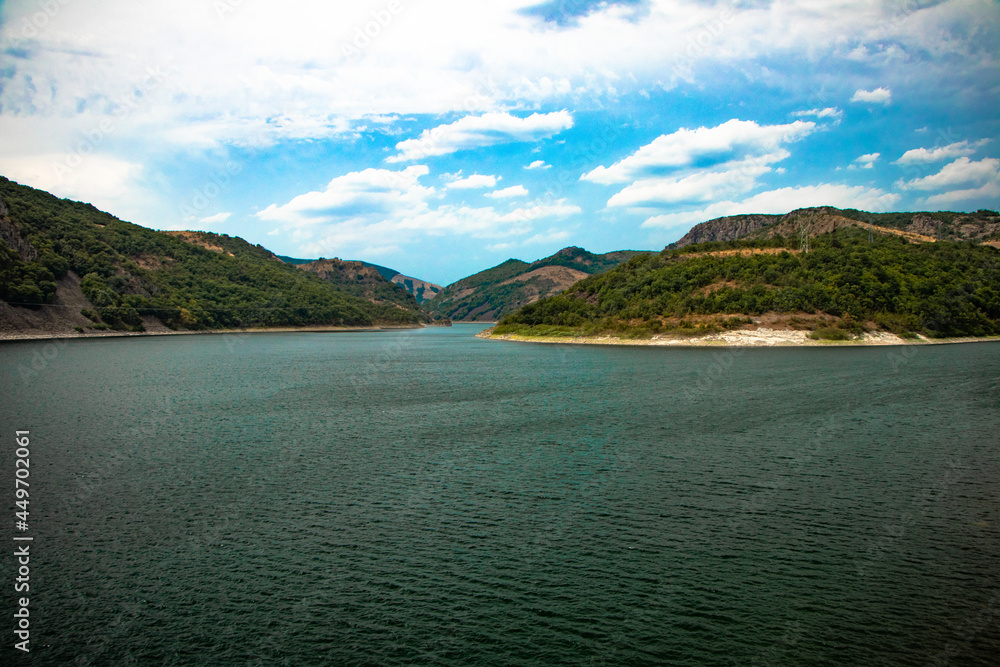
(442, 137)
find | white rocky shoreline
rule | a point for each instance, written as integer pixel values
(760, 337)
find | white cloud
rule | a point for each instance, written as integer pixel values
(960, 172)
(693, 166)
(733, 141)
(359, 212)
(512, 191)
(222, 84)
(218, 217)
(108, 182)
(877, 96)
(538, 164)
(868, 160)
(991, 189)
(356, 196)
(698, 187)
(472, 182)
(828, 112)
(926, 155)
(488, 129)
(784, 200)
(317, 71)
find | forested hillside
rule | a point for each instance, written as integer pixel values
(941, 225)
(366, 281)
(189, 280)
(848, 281)
(493, 293)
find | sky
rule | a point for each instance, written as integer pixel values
(442, 137)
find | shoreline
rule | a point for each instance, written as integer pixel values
(760, 337)
(9, 337)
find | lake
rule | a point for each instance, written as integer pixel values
(427, 497)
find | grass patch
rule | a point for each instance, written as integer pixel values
(830, 333)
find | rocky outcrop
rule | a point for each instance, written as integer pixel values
(729, 228)
(338, 271)
(11, 235)
(420, 289)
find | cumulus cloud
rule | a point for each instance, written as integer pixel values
(960, 172)
(734, 141)
(472, 182)
(218, 217)
(784, 200)
(538, 164)
(927, 155)
(363, 212)
(488, 129)
(361, 195)
(867, 161)
(695, 166)
(512, 191)
(877, 96)
(698, 187)
(991, 190)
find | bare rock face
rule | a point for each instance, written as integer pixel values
(340, 271)
(11, 235)
(420, 289)
(923, 224)
(728, 228)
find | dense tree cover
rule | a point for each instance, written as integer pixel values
(367, 282)
(129, 271)
(952, 226)
(939, 289)
(454, 303)
(491, 291)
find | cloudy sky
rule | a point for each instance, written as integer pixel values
(440, 137)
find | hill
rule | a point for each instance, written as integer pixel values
(489, 295)
(942, 225)
(847, 280)
(420, 289)
(365, 281)
(65, 264)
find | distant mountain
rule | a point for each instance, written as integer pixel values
(420, 289)
(834, 272)
(942, 225)
(67, 266)
(493, 293)
(365, 281)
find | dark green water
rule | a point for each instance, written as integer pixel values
(427, 497)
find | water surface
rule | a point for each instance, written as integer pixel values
(426, 497)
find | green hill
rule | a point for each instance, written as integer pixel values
(367, 282)
(851, 279)
(134, 277)
(493, 293)
(942, 225)
(420, 289)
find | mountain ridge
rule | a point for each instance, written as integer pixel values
(62, 255)
(811, 269)
(492, 293)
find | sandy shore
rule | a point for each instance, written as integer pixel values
(760, 337)
(15, 336)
